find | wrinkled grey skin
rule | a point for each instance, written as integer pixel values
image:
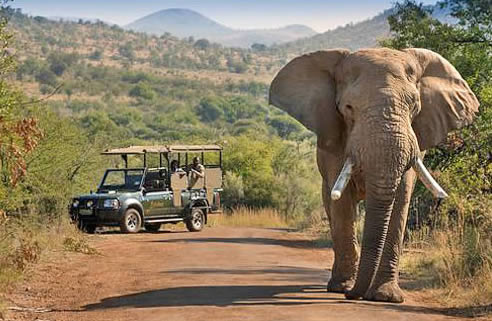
(382, 109)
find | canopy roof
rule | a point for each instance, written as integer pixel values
(135, 150)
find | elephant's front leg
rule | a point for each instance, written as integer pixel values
(342, 215)
(385, 285)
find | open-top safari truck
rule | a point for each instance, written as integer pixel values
(144, 196)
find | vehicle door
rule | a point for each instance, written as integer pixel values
(157, 199)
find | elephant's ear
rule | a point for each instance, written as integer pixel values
(305, 89)
(447, 102)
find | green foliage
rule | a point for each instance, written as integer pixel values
(259, 47)
(286, 126)
(211, 109)
(59, 62)
(142, 90)
(127, 51)
(272, 173)
(202, 44)
(46, 76)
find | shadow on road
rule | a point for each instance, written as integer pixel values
(256, 295)
(275, 273)
(215, 296)
(142, 232)
(250, 240)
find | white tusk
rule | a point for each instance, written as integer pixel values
(428, 180)
(342, 180)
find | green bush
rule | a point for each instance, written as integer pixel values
(142, 90)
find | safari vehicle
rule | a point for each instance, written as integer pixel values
(144, 196)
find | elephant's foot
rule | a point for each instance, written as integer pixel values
(337, 286)
(386, 292)
(353, 294)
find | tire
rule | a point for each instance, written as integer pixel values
(90, 228)
(154, 227)
(131, 222)
(196, 221)
(87, 228)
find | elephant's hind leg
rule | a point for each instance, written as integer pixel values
(385, 285)
(342, 216)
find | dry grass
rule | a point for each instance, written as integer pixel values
(454, 268)
(248, 217)
(23, 241)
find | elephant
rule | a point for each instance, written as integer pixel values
(374, 112)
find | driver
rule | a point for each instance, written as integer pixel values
(175, 168)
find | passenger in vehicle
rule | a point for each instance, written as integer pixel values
(197, 168)
(197, 171)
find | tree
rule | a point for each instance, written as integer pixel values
(258, 47)
(210, 109)
(202, 44)
(468, 45)
(19, 132)
(142, 90)
(285, 126)
(46, 77)
(59, 62)
(128, 52)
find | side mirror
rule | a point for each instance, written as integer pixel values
(144, 191)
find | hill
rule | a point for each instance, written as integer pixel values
(138, 86)
(180, 23)
(364, 34)
(184, 23)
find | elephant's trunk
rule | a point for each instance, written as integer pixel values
(383, 161)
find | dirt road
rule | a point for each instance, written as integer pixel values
(218, 274)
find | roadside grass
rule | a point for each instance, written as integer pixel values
(25, 240)
(249, 217)
(456, 267)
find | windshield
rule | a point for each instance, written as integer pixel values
(122, 179)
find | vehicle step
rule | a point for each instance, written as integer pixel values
(164, 220)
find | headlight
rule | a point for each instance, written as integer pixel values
(111, 203)
(89, 204)
(75, 203)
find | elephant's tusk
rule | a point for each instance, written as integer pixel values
(342, 180)
(428, 180)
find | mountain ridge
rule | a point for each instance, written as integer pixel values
(354, 36)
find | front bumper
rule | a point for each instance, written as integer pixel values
(96, 216)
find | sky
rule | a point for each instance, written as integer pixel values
(321, 15)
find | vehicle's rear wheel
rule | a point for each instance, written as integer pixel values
(131, 221)
(154, 227)
(196, 221)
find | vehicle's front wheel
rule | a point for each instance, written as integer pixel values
(154, 227)
(87, 228)
(131, 221)
(196, 221)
